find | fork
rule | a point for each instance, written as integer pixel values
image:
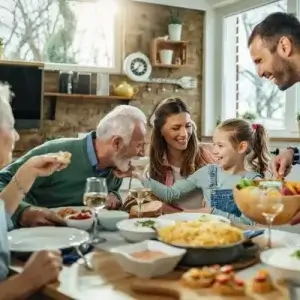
(87, 263)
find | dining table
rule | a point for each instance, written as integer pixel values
(108, 281)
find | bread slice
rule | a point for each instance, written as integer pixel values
(62, 157)
(149, 210)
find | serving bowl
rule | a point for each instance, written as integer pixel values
(150, 267)
(184, 217)
(203, 255)
(109, 218)
(132, 230)
(75, 221)
(284, 263)
(248, 198)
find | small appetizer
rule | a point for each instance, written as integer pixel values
(226, 285)
(262, 283)
(199, 278)
(227, 269)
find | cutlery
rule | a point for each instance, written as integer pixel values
(87, 263)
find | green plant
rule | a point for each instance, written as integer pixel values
(249, 116)
(218, 121)
(1, 42)
(175, 18)
(298, 116)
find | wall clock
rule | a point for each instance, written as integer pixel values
(137, 67)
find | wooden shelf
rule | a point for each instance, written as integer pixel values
(87, 96)
(173, 66)
(55, 96)
(179, 48)
(22, 63)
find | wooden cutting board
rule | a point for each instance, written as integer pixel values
(174, 289)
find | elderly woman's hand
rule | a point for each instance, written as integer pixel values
(42, 166)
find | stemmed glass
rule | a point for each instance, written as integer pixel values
(140, 195)
(95, 197)
(270, 204)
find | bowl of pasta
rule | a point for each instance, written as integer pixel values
(206, 243)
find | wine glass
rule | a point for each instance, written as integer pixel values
(140, 195)
(95, 197)
(270, 204)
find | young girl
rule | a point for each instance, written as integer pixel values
(175, 152)
(242, 152)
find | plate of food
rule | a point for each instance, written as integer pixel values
(182, 216)
(207, 243)
(215, 282)
(141, 229)
(80, 217)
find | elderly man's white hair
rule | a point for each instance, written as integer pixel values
(120, 122)
(6, 115)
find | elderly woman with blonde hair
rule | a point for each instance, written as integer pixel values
(42, 267)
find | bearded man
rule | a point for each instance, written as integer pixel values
(119, 136)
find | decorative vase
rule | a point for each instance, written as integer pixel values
(166, 56)
(175, 32)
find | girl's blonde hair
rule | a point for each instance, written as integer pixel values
(258, 154)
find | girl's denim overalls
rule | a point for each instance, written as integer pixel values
(223, 199)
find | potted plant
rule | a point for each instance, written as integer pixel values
(1, 48)
(249, 116)
(175, 26)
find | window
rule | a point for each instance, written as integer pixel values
(65, 34)
(242, 89)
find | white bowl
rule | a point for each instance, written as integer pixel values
(282, 263)
(132, 232)
(148, 268)
(109, 218)
(183, 217)
(84, 224)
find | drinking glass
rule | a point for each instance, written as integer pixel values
(95, 197)
(270, 204)
(140, 195)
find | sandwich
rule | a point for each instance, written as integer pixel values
(62, 157)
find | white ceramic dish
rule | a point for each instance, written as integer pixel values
(77, 208)
(282, 263)
(132, 232)
(148, 268)
(109, 218)
(45, 238)
(177, 217)
(83, 224)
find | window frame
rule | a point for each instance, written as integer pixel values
(221, 63)
(119, 49)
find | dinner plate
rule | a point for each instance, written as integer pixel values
(45, 238)
(181, 216)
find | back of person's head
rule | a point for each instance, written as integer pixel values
(121, 121)
(274, 27)
(257, 153)
(159, 117)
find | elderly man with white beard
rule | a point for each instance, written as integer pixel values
(119, 136)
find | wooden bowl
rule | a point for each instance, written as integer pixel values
(248, 201)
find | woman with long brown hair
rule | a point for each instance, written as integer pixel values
(175, 152)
